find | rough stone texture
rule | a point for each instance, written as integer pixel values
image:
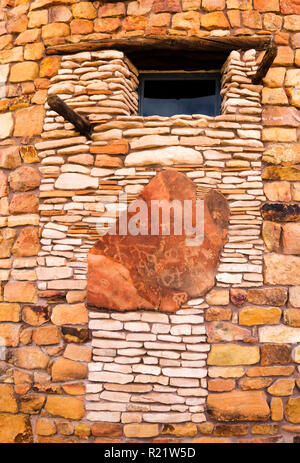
(280, 269)
(151, 283)
(238, 406)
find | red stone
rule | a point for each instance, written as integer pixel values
(168, 6)
(238, 296)
(281, 115)
(147, 271)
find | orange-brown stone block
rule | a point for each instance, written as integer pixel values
(20, 292)
(238, 406)
(66, 407)
(24, 179)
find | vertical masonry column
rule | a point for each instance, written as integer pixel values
(146, 366)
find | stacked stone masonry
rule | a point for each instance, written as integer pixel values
(223, 368)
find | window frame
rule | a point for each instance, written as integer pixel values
(143, 76)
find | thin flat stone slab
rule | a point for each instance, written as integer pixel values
(147, 271)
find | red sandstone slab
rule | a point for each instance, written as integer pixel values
(127, 272)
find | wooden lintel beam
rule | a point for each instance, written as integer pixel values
(150, 43)
(81, 124)
(265, 65)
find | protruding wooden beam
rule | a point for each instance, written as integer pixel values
(83, 126)
(265, 65)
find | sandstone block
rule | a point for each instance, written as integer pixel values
(68, 370)
(291, 238)
(15, 428)
(279, 334)
(10, 158)
(21, 72)
(259, 315)
(24, 203)
(27, 244)
(30, 358)
(233, 354)
(238, 406)
(281, 269)
(20, 292)
(29, 121)
(72, 314)
(24, 178)
(292, 410)
(6, 125)
(66, 407)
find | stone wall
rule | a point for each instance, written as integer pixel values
(56, 185)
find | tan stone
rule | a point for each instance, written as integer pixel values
(20, 292)
(291, 238)
(73, 314)
(282, 387)
(45, 427)
(76, 352)
(55, 30)
(274, 96)
(180, 430)
(285, 56)
(9, 312)
(271, 233)
(259, 315)
(6, 125)
(34, 51)
(74, 389)
(279, 334)
(278, 191)
(296, 191)
(7, 237)
(281, 269)
(284, 154)
(238, 406)
(27, 244)
(294, 296)
(292, 317)
(66, 407)
(12, 55)
(68, 370)
(32, 403)
(9, 335)
(29, 121)
(279, 134)
(15, 428)
(218, 297)
(25, 178)
(37, 18)
(30, 358)
(3, 185)
(247, 384)
(275, 77)
(29, 154)
(46, 335)
(35, 315)
(233, 354)
(141, 430)
(84, 10)
(21, 72)
(292, 410)
(8, 401)
(276, 409)
(10, 158)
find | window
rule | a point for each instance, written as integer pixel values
(170, 94)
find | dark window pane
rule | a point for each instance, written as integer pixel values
(170, 96)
